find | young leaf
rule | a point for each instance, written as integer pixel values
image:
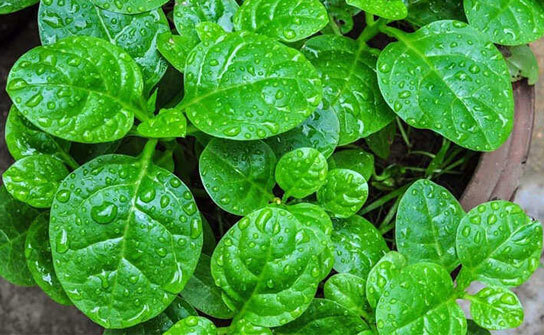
(35, 179)
(320, 131)
(511, 22)
(123, 243)
(202, 293)
(82, 89)
(265, 98)
(324, 317)
(388, 9)
(136, 34)
(129, 6)
(238, 176)
(40, 262)
(353, 159)
(287, 20)
(474, 329)
(359, 246)
(423, 12)
(15, 219)
(175, 48)
(301, 172)
(24, 139)
(344, 193)
(499, 244)
(420, 300)
(380, 142)
(476, 106)
(268, 267)
(170, 122)
(349, 291)
(522, 63)
(193, 325)
(496, 308)
(176, 311)
(350, 85)
(387, 268)
(188, 14)
(426, 225)
(10, 6)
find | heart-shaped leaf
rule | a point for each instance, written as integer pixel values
(301, 172)
(344, 192)
(496, 308)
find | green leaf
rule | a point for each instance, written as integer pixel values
(320, 131)
(388, 9)
(276, 90)
(238, 176)
(10, 6)
(359, 246)
(243, 327)
(453, 61)
(81, 89)
(175, 49)
(420, 300)
(124, 242)
(35, 179)
(474, 329)
(301, 172)
(177, 310)
(40, 262)
(522, 63)
(499, 244)
(24, 139)
(202, 293)
(350, 85)
(423, 12)
(496, 308)
(193, 325)
(170, 122)
(510, 22)
(129, 6)
(188, 14)
(210, 32)
(354, 159)
(324, 317)
(426, 225)
(344, 193)
(287, 20)
(15, 219)
(136, 34)
(387, 268)
(349, 291)
(268, 267)
(380, 142)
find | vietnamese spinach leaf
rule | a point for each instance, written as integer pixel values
(344, 192)
(353, 159)
(389, 9)
(129, 6)
(175, 49)
(388, 267)
(423, 12)
(301, 172)
(10, 6)
(193, 325)
(168, 123)
(496, 308)
(349, 291)
(522, 63)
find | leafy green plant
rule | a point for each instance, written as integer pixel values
(253, 161)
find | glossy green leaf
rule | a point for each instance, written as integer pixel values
(388, 9)
(496, 308)
(268, 267)
(287, 20)
(15, 219)
(176, 311)
(129, 6)
(423, 12)
(427, 219)
(350, 85)
(202, 293)
(193, 325)
(232, 95)
(40, 262)
(353, 159)
(168, 123)
(35, 179)
(349, 291)
(10, 6)
(387, 268)
(344, 192)
(82, 89)
(474, 329)
(320, 131)
(380, 142)
(301, 172)
(138, 229)
(175, 48)
(210, 32)
(136, 34)
(499, 244)
(24, 139)
(238, 176)
(522, 63)
(359, 246)
(188, 14)
(507, 22)
(461, 87)
(420, 300)
(243, 327)
(324, 317)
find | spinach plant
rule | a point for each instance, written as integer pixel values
(145, 131)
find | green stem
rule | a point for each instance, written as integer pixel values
(191, 130)
(393, 32)
(334, 26)
(386, 225)
(371, 30)
(69, 160)
(403, 133)
(385, 199)
(149, 150)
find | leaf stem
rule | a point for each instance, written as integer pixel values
(393, 32)
(386, 225)
(149, 150)
(372, 29)
(334, 26)
(403, 133)
(69, 160)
